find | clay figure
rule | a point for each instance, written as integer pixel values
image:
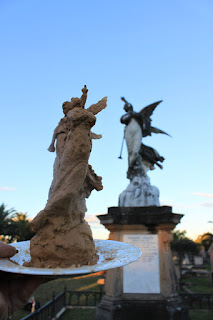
(63, 238)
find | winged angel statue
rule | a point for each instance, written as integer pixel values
(141, 158)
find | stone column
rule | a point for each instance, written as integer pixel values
(146, 289)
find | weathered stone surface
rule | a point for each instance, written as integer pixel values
(139, 193)
(151, 217)
(120, 304)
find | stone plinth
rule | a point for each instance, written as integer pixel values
(147, 288)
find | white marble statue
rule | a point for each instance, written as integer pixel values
(141, 158)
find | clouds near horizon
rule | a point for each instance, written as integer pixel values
(7, 189)
(207, 195)
(207, 204)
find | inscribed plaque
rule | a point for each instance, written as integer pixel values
(143, 275)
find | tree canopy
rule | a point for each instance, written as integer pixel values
(205, 240)
(182, 245)
(14, 226)
(177, 234)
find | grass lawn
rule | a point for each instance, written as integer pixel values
(198, 284)
(88, 314)
(45, 292)
(201, 314)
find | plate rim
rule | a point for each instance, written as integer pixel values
(8, 265)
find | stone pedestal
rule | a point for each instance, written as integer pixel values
(147, 288)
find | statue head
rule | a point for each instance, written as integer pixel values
(75, 102)
(66, 107)
(69, 105)
(127, 107)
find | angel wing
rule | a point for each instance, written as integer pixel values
(156, 130)
(147, 111)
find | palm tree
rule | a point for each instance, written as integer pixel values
(21, 227)
(5, 221)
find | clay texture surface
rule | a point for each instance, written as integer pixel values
(63, 238)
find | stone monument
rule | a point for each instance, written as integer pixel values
(146, 289)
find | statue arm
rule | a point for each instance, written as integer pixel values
(95, 136)
(84, 96)
(126, 118)
(96, 108)
(55, 133)
(52, 147)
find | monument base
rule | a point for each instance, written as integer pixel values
(112, 308)
(147, 288)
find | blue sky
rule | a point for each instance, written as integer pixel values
(142, 50)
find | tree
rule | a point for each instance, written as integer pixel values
(177, 234)
(5, 221)
(181, 245)
(14, 226)
(20, 227)
(205, 240)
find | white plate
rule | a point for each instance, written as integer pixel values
(112, 254)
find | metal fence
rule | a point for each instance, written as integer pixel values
(76, 299)
(58, 304)
(84, 298)
(50, 309)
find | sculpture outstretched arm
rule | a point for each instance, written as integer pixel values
(124, 100)
(127, 107)
(95, 136)
(96, 108)
(84, 96)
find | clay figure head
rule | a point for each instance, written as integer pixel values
(66, 106)
(69, 105)
(75, 102)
